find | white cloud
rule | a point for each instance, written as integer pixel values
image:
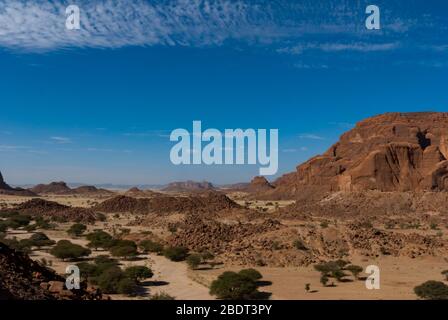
(12, 147)
(310, 136)
(61, 140)
(40, 25)
(339, 47)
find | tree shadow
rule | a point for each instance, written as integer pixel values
(261, 295)
(150, 283)
(264, 283)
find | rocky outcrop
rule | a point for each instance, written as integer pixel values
(204, 202)
(389, 152)
(52, 188)
(61, 188)
(24, 279)
(50, 209)
(8, 190)
(189, 186)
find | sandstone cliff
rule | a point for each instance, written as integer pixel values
(389, 152)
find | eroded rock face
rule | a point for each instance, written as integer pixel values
(389, 152)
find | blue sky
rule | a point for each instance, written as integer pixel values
(97, 105)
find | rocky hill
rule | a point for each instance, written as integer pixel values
(8, 190)
(24, 279)
(189, 186)
(389, 152)
(61, 188)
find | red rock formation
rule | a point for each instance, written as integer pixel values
(389, 152)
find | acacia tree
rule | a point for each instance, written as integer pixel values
(77, 229)
(64, 249)
(138, 273)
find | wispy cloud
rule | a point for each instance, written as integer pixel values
(108, 150)
(310, 136)
(12, 147)
(40, 25)
(61, 140)
(151, 133)
(339, 47)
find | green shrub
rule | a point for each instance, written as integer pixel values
(151, 246)
(252, 274)
(99, 239)
(3, 226)
(432, 290)
(161, 296)
(20, 220)
(126, 252)
(194, 260)
(127, 286)
(207, 255)
(233, 286)
(109, 279)
(298, 244)
(64, 249)
(40, 239)
(355, 270)
(324, 224)
(77, 229)
(138, 273)
(176, 253)
(445, 273)
(324, 280)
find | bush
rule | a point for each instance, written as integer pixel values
(3, 226)
(151, 246)
(88, 270)
(161, 296)
(109, 279)
(432, 290)
(22, 245)
(64, 249)
(123, 243)
(194, 260)
(233, 286)
(324, 280)
(176, 253)
(101, 263)
(324, 224)
(298, 244)
(125, 252)
(138, 273)
(252, 274)
(42, 223)
(207, 255)
(114, 280)
(355, 270)
(77, 229)
(99, 239)
(127, 286)
(445, 273)
(19, 220)
(40, 239)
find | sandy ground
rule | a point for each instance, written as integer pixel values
(169, 277)
(398, 275)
